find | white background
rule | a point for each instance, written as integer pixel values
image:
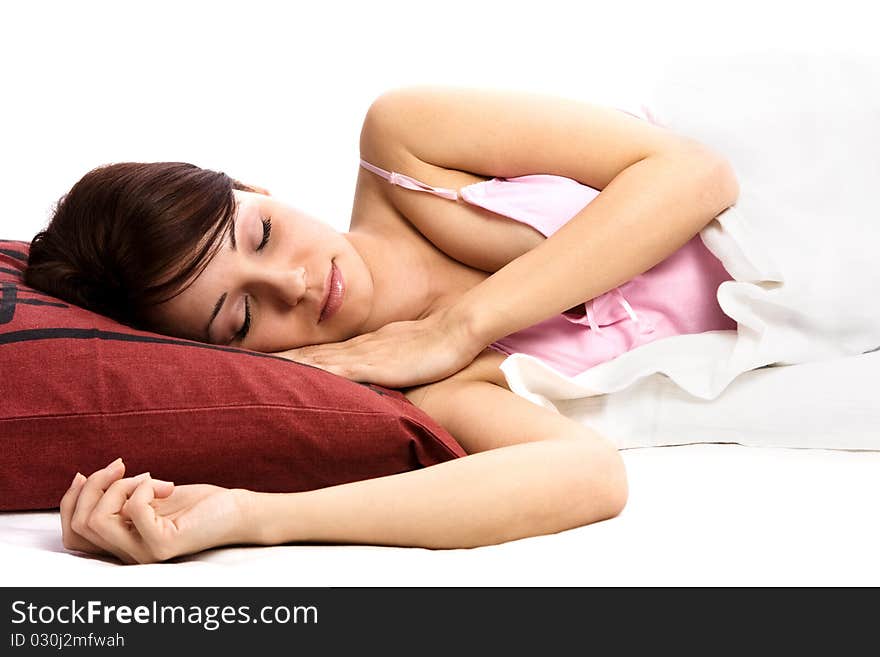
(274, 93)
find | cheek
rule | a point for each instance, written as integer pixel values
(282, 332)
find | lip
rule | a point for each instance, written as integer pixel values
(334, 292)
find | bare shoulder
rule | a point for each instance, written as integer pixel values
(477, 408)
(507, 133)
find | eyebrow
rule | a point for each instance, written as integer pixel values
(219, 305)
(214, 313)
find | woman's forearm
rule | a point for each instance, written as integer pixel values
(645, 214)
(494, 496)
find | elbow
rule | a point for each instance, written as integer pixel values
(604, 491)
(716, 178)
(617, 502)
(615, 488)
(720, 181)
(724, 182)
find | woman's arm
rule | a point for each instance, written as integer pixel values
(530, 471)
(658, 189)
(649, 211)
(536, 472)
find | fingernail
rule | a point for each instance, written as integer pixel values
(162, 481)
(142, 476)
(76, 478)
(115, 463)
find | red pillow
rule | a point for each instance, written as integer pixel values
(79, 389)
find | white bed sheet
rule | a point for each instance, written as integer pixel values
(701, 514)
(828, 404)
(697, 515)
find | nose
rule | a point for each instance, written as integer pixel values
(288, 286)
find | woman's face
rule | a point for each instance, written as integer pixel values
(265, 289)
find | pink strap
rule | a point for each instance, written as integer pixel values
(623, 302)
(410, 183)
(645, 325)
(593, 325)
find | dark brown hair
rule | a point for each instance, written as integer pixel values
(131, 235)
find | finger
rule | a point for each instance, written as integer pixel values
(158, 537)
(329, 359)
(161, 490)
(320, 352)
(117, 494)
(332, 369)
(105, 517)
(317, 362)
(92, 490)
(107, 522)
(303, 355)
(69, 538)
(68, 500)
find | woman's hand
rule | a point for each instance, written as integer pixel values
(144, 520)
(399, 354)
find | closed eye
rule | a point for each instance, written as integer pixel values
(246, 325)
(267, 230)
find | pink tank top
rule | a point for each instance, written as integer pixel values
(675, 297)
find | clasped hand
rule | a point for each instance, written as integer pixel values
(399, 354)
(144, 520)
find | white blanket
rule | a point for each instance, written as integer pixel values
(802, 132)
(701, 515)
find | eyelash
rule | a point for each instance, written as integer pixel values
(243, 331)
(267, 229)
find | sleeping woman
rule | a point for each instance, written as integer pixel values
(484, 223)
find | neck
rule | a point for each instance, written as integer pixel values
(403, 289)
